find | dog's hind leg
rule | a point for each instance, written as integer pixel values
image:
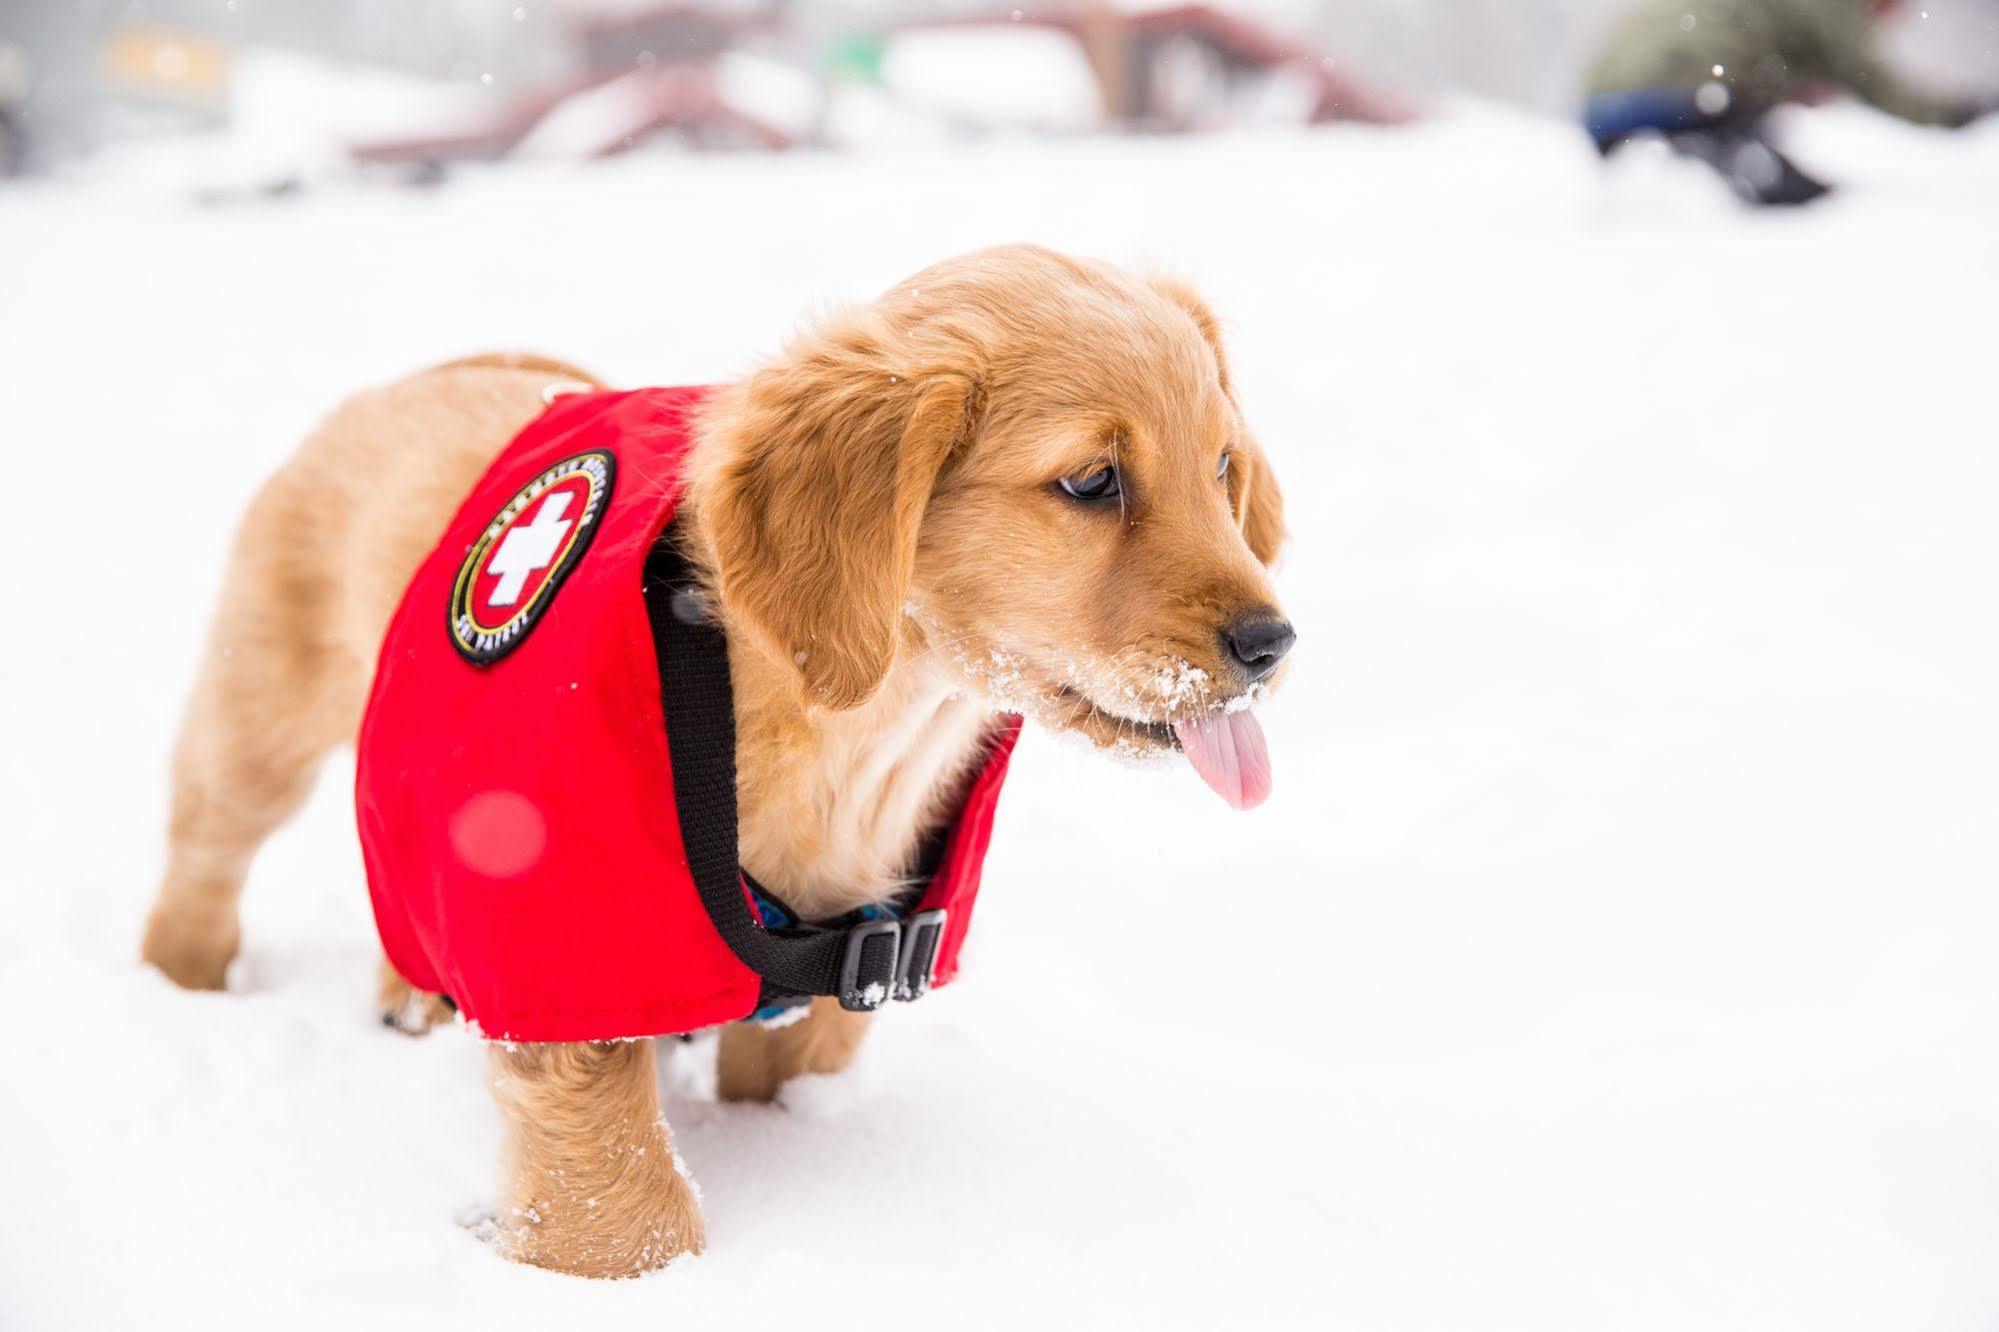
(319, 566)
(275, 692)
(593, 1186)
(409, 1010)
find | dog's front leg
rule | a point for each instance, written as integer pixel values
(754, 1060)
(593, 1187)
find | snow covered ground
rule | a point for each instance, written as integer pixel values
(1614, 953)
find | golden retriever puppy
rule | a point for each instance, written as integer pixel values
(1017, 481)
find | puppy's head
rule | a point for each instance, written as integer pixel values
(1029, 471)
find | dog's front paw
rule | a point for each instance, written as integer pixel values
(408, 1009)
(639, 1223)
(193, 948)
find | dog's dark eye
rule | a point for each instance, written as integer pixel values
(1099, 483)
(1222, 467)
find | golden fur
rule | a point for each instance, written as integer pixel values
(877, 517)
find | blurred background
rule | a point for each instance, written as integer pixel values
(1615, 949)
(406, 89)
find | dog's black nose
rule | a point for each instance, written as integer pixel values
(1258, 641)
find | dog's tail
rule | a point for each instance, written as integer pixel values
(529, 361)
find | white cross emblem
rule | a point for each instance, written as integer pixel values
(526, 550)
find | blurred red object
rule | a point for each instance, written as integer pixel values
(1135, 54)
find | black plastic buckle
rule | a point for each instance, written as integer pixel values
(869, 970)
(914, 966)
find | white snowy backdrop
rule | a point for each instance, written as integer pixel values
(1614, 953)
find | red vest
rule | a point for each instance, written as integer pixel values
(514, 786)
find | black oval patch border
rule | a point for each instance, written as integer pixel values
(485, 648)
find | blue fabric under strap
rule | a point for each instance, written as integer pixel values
(1617, 115)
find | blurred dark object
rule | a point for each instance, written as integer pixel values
(1735, 146)
(13, 123)
(1753, 166)
(1705, 74)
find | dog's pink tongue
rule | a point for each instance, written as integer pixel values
(1229, 753)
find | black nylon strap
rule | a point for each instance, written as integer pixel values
(701, 731)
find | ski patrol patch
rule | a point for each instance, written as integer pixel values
(512, 573)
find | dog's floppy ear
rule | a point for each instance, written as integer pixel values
(1184, 296)
(1253, 493)
(820, 471)
(1259, 505)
